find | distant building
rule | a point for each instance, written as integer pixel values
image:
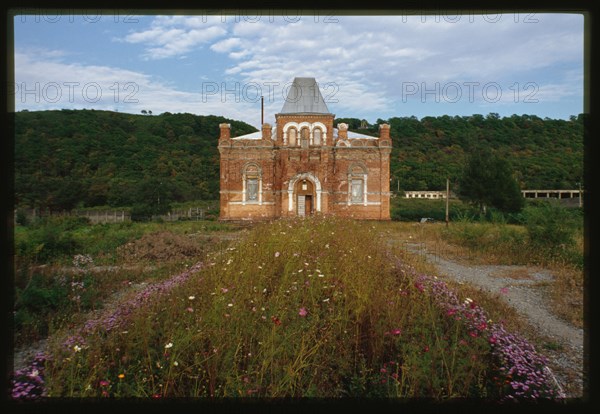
(426, 194)
(304, 165)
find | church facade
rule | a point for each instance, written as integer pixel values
(304, 165)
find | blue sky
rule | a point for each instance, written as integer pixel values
(368, 67)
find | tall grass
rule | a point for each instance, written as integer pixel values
(52, 290)
(297, 308)
(413, 209)
(551, 236)
(505, 244)
(58, 239)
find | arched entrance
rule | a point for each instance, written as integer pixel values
(304, 192)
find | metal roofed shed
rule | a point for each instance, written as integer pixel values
(304, 97)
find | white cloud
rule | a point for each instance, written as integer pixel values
(227, 44)
(164, 42)
(368, 59)
(43, 84)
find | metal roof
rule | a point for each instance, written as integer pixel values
(304, 97)
(258, 134)
(353, 135)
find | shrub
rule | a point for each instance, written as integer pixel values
(50, 239)
(142, 212)
(403, 209)
(550, 226)
(21, 217)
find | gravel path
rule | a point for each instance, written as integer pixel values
(526, 296)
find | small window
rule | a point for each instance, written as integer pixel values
(357, 191)
(292, 136)
(252, 189)
(317, 136)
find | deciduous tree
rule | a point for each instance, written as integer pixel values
(487, 180)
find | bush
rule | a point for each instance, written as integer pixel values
(41, 297)
(547, 235)
(50, 239)
(403, 209)
(142, 212)
(21, 218)
(550, 226)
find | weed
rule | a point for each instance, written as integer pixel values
(295, 308)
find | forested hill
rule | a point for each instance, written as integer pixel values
(71, 158)
(544, 153)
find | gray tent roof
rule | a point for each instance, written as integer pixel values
(304, 96)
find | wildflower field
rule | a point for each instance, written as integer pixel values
(316, 307)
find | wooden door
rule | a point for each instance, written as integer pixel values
(309, 206)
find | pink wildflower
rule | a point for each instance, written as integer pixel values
(303, 312)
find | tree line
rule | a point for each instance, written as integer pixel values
(543, 153)
(84, 158)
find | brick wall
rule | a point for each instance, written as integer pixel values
(326, 166)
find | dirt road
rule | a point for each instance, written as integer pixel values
(527, 297)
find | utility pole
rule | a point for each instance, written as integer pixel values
(580, 195)
(447, 200)
(262, 110)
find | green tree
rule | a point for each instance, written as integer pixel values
(487, 180)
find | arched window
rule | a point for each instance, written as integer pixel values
(291, 136)
(252, 184)
(317, 133)
(304, 135)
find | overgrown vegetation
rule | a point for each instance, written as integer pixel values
(296, 308)
(55, 240)
(413, 209)
(543, 234)
(65, 267)
(548, 235)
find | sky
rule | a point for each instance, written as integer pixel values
(368, 67)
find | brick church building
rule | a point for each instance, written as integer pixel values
(304, 165)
